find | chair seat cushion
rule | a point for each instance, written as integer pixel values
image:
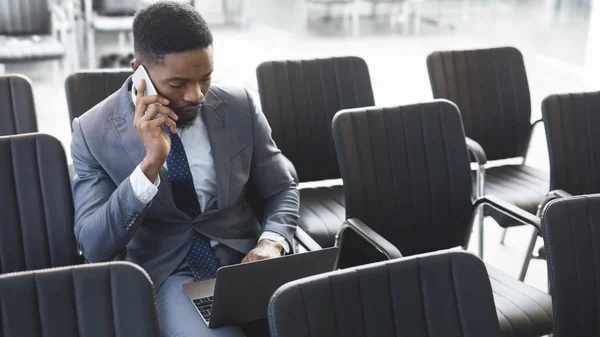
(523, 311)
(30, 49)
(322, 212)
(520, 185)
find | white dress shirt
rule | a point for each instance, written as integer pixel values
(197, 148)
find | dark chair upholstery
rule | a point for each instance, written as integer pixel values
(573, 148)
(299, 99)
(85, 89)
(440, 294)
(108, 299)
(17, 112)
(490, 87)
(571, 229)
(36, 230)
(407, 177)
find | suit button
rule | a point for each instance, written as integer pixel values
(136, 214)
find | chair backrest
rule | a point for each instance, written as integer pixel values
(439, 294)
(18, 17)
(406, 175)
(573, 141)
(85, 89)
(300, 98)
(107, 299)
(490, 88)
(17, 111)
(571, 230)
(36, 229)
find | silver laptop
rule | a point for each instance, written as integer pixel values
(241, 292)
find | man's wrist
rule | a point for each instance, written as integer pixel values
(150, 168)
(275, 244)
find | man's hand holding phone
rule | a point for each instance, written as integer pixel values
(150, 129)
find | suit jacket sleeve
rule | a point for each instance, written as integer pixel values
(273, 179)
(106, 215)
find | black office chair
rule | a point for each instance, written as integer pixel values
(490, 88)
(17, 113)
(38, 30)
(299, 99)
(107, 299)
(36, 230)
(439, 294)
(407, 183)
(573, 148)
(87, 88)
(570, 227)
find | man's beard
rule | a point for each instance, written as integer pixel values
(187, 116)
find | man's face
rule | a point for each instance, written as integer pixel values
(183, 78)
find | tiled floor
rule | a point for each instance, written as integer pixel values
(553, 46)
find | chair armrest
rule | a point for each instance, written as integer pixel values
(554, 194)
(511, 210)
(305, 240)
(476, 150)
(534, 124)
(376, 240)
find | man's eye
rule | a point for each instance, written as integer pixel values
(175, 85)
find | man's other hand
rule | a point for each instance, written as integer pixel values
(265, 249)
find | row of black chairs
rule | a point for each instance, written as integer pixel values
(39, 210)
(437, 294)
(300, 98)
(332, 82)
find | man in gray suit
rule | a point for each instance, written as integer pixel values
(162, 178)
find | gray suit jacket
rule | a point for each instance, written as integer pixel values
(109, 219)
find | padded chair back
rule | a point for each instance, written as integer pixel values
(490, 88)
(36, 229)
(573, 141)
(17, 111)
(406, 175)
(571, 230)
(300, 98)
(108, 299)
(439, 294)
(85, 89)
(18, 17)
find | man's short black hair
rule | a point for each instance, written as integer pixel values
(168, 27)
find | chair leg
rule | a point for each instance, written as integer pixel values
(503, 236)
(480, 218)
(529, 255)
(91, 47)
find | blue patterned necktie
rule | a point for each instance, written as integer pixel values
(200, 257)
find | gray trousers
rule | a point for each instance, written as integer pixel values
(177, 315)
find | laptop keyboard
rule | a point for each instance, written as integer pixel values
(204, 306)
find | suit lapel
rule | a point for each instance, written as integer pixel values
(122, 121)
(216, 119)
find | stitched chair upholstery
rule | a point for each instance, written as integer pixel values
(36, 230)
(17, 113)
(439, 294)
(107, 299)
(299, 99)
(407, 179)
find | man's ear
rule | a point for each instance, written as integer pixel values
(135, 64)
